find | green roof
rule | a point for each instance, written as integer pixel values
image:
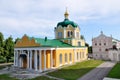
(67, 22)
(51, 42)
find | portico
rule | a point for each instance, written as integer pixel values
(34, 59)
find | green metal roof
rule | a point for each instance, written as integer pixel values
(51, 42)
(67, 22)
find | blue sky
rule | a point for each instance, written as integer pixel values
(39, 17)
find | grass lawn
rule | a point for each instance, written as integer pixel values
(41, 78)
(75, 71)
(6, 77)
(115, 72)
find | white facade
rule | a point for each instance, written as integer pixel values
(100, 46)
(114, 55)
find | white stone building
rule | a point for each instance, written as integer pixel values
(101, 46)
(114, 55)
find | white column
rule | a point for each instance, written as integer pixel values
(30, 59)
(44, 60)
(64, 33)
(51, 58)
(14, 58)
(40, 65)
(35, 60)
(17, 59)
(28, 53)
(20, 59)
(75, 33)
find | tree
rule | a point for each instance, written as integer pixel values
(90, 49)
(17, 39)
(9, 48)
(82, 37)
(1, 44)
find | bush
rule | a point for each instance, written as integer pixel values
(12, 59)
(2, 59)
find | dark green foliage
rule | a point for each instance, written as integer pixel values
(1, 44)
(17, 39)
(9, 48)
(82, 37)
(89, 48)
(6, 49)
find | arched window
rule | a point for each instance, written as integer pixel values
(70, 57)
(69, 33)
(65, 57)
(59, 34)
(60, 58)
(79, 43)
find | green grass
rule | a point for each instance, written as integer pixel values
(6, 77)
(76, 71)
(41, 78)
(115, 72)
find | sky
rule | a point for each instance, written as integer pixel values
(37, 18)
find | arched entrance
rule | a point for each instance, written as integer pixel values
(23, 60)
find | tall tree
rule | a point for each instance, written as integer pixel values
(17, 39)
(9, 48)
(1, 44)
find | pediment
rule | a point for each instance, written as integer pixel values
(26, 42)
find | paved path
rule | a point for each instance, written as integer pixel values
(99, 73)
(3, 64)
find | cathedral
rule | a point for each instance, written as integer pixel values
(40, 54)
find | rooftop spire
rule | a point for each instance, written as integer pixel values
(66, 14)
(101, 32)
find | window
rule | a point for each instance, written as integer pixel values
(106, 49)
(70, 57)
(59, 34)
(100, 44)
(95, 44)
(104, 43)
(79, 43)
(65, 58)
(60, 58)
(69, 33)
(78, 34)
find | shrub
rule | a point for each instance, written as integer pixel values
(12, 59)
(2, 59)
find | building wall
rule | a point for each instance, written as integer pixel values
(82, 51)
(75, 42)
(75, 38)
(100, 46)
(114, 55)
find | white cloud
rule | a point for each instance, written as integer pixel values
(39, 17)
